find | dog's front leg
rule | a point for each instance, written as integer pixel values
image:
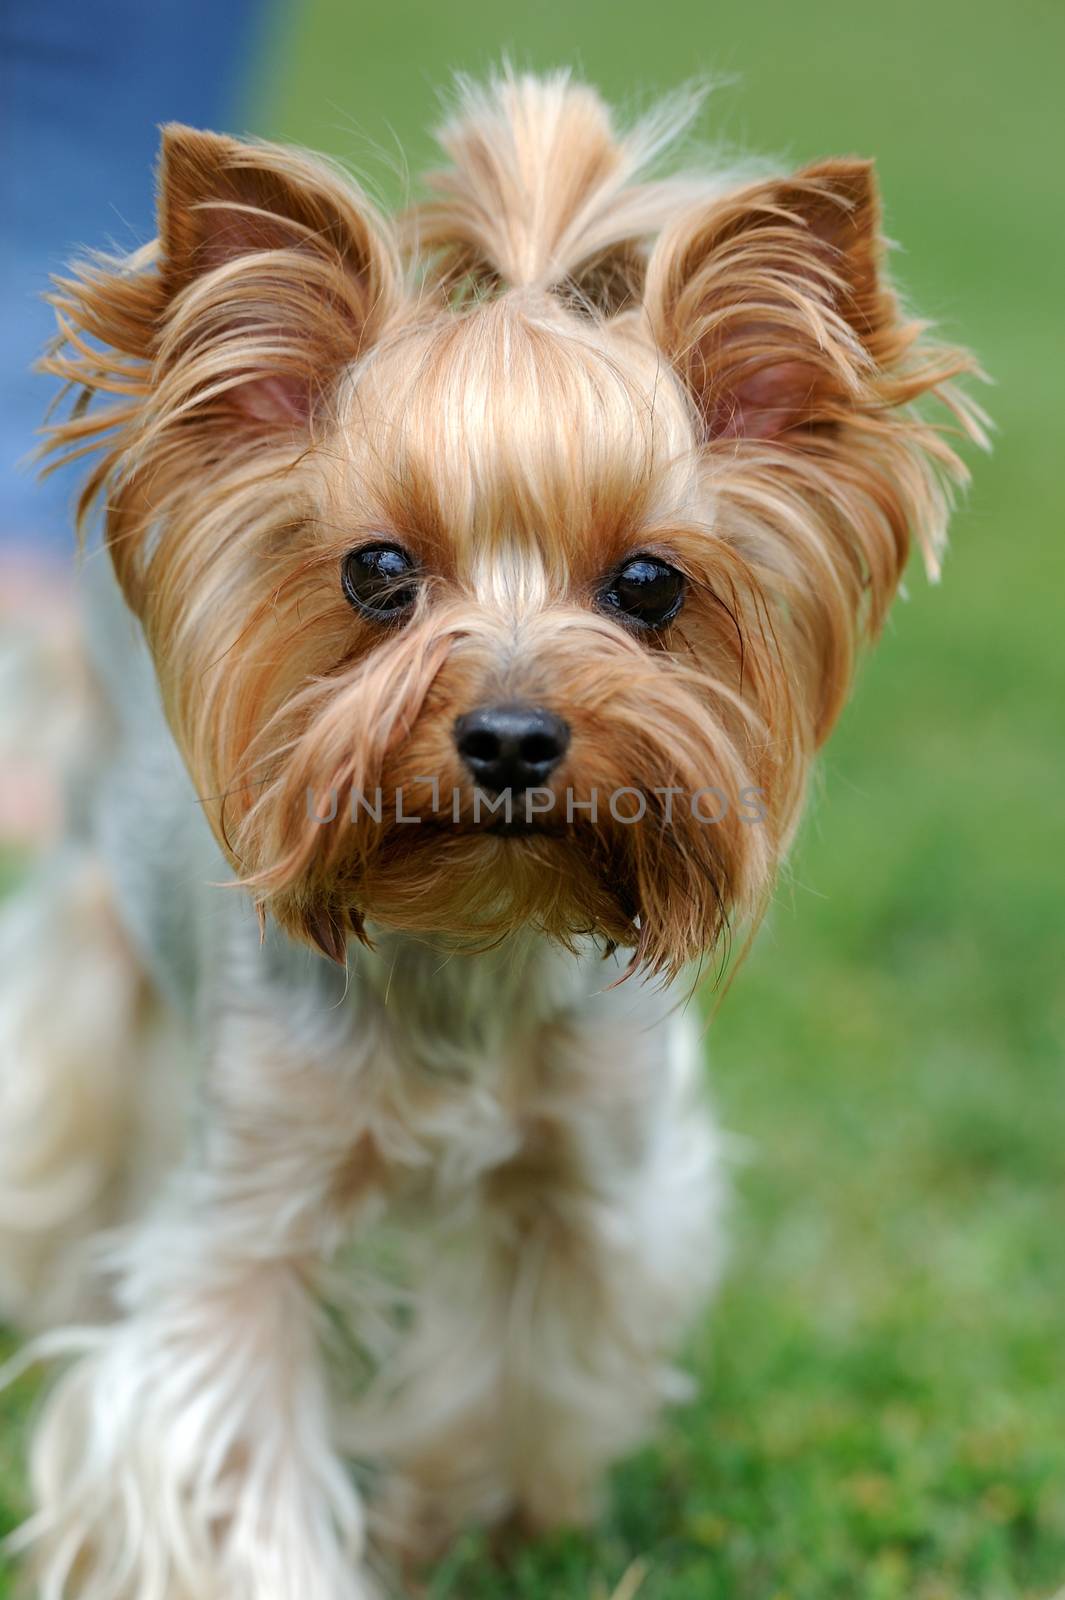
(186, 1454)
(550, 1312)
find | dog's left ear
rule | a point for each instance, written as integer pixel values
(769, 302)
(275, 272)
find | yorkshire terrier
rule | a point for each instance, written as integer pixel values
(498, 569)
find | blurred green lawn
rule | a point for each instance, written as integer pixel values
(882, 1409)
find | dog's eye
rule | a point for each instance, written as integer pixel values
(378, 580)
(645, 590)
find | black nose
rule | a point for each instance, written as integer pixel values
(511, 747)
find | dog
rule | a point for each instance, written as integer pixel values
(480, 583)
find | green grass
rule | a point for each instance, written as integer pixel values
(882, 1411)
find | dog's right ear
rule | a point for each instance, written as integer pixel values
(276, 272)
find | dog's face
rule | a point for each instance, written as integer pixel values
(504, 580)
(400, 552)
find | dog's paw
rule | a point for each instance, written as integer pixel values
(153, 1481)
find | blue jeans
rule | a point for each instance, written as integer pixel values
(84, 85)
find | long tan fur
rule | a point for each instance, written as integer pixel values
(550, 363)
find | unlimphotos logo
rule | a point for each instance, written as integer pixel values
(625, 806)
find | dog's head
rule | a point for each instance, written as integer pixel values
(549, 515)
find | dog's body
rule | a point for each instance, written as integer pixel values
(537, 1139)
(514, 1139)
(531, 1142)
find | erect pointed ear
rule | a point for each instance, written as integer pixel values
(275, 269)
(769, 301)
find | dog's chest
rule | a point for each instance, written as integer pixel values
(464, 1060)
